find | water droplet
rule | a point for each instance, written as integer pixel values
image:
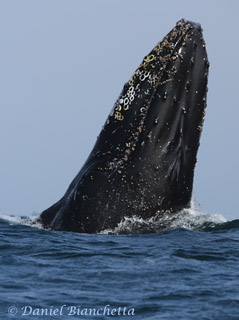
(156, 120)
(187, 86)
(165, 95)
(192, 61)
(149, 136)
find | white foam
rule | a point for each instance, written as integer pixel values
(24, 220)
(192, 219)
(12, 219)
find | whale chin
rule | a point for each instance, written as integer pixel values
(143, 161)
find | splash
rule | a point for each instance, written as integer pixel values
(192, 218)
(23, 220)
(12, 219)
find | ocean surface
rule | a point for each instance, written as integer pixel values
(188, 270)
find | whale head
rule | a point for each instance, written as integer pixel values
(144, 158)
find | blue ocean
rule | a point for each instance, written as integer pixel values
(187, 270)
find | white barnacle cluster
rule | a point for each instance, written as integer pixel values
(124, 101)
(140, 85)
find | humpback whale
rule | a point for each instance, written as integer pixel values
(143, 161)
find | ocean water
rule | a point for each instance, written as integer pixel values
(189, 269)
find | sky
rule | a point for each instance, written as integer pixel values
(63, 64)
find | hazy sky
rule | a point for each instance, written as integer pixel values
(63, 64)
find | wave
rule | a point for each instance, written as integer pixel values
(190, 219)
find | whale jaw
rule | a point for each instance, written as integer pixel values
(144, 158)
